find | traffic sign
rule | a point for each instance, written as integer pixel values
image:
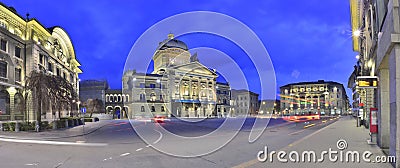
(83, 110)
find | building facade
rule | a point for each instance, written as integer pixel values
(93, 89)
(223, 91)
(244, 102)
(320, 97)
(269, 107)
(179, 86)
(375, 26)
(26, 46)
(115, 103)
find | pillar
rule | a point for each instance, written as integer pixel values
(383, 109)
(394, 90)
(11, 91)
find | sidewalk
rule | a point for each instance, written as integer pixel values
(80, 130)
(355, 139)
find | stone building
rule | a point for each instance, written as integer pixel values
(179, 85)
(26, 46)
(375, 27)
(320, 97)
(269, 107)
(93, 89)
(244, 102)
(223, 99)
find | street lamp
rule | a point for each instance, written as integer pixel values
(357, 33)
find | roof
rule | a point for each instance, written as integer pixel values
(171, 42)
(313, 82)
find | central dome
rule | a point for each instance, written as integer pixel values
(171, 42)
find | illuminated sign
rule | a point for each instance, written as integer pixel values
(367, 81)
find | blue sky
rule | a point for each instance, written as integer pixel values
(306, 40)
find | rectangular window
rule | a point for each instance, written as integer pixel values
(153, 109)
(58, 72)
(162, 109)
(50, 67)
(3, 45)
(3, 69)
(152, 85)
(142, 109)
(64, 75)
(41, 59)
(142, 85)
(17, 51)
(17, 74)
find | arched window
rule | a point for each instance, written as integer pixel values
(142, 97)
(162, 109)
(4, 102)
(18, 103)
(153, 97)
(111, 98)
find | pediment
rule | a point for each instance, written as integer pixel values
(195, 68)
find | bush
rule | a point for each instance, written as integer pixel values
(88, 119)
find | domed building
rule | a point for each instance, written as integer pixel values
(179, 85)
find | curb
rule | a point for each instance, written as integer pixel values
(49, 138)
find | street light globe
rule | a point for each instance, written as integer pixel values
(357, 33)
(357, 56)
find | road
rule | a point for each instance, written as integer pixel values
(118, 145)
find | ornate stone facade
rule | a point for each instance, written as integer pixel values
(27, 46)
(179, 85)
(321, 97)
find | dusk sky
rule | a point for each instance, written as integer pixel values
(306, 40)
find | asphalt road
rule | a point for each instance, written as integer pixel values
(123, 146)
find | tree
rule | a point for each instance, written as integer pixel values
(49, 91)
(94, 106)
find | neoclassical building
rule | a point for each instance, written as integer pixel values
(179, 85)
(320, 97)
(26, 46)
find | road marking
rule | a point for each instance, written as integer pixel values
(148, 146)
(137, 150)
(159, 138)
(80, 141)
(124, 154)
(251, 163)
(51, 142)
(107, 159)
(31, 164)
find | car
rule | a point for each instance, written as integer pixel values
(158, 119)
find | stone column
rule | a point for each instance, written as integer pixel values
(383, 108)
(11, 91)
(394, 85)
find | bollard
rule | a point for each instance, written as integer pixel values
(16, 126)
(54, 125)
(37, 127)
